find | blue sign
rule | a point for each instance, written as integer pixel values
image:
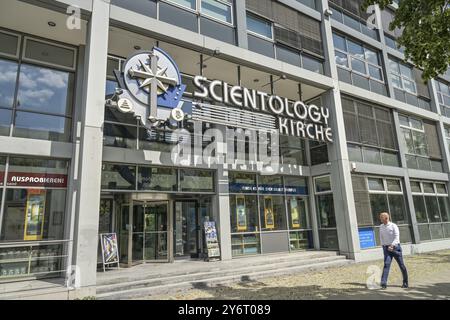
(267, 189)
(367, 238)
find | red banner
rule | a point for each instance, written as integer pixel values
(49, 180)
(2, 178)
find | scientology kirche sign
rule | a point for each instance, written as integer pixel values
(294, 118)
(151, 87)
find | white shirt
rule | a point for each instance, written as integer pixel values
(389, 234)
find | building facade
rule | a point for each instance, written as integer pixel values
(75, 163)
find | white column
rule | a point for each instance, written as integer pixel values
(90, 159)
(341, 182)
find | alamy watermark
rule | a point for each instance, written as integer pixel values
(373, 281)
(230, 147)
(73, 21)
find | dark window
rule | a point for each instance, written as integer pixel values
(217, 30)
(9, 44)
(145, 7)
(196, 180)
(261, 46)
(118, 177)
(370, 133)
(48, 53)
(157, 179)
(178, 17)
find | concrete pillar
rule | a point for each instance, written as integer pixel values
(341, 182)
(223, 212)
(90, 159)
(241, 24)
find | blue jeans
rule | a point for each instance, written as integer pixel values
(398, 256)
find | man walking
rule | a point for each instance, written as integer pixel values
(390, 240)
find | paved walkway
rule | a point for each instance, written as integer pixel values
(429, 279)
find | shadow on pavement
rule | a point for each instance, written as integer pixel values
(249, 290)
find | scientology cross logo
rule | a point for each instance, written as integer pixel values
(151, 79)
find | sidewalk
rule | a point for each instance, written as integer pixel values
(429, 279)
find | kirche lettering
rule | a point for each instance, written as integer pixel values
(294, 117)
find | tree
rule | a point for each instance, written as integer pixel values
(426, 33)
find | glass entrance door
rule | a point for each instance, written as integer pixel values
(150, 220)
(186, 229)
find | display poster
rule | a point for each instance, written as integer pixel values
(366, 238)
(2, 177)
(34, 215)
(110, 249)
(212, 242)
(295, 218)
(268, 213)
(241, 214)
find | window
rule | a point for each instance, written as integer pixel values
(196, 180)
(432, 207)
(349, 14)
(370, 133)
(9, 44)
(43, 105)
(443, 93)
(447, 135)
(392, 43)
(49, 53)
(160, 179)
(325, 212)
(212, 18)
(144, 7)
(358, 64)
(258, 207)
(221, 10)
(407, 85)
(118, 177)
(295, 36)
(191, 4)
(7, 90)
(259, 26)
(422, 144)
(402, 76)
(33, 214)
(374, 195)
(309, 3)
(318, 151)
(292, 150)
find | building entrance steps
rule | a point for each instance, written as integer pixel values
(157, 278)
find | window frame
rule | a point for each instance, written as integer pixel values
(52, 65)
(19, 42)
(441, 96)
(385, 188)
(402, 77)
(361, 23)
(360, 144)
(411, 129)
(252, 13)
(422, 194)
(199, 12)
(229, 4)
(322, 192)
(365, 61)
(21, 60)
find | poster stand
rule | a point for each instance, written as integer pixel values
(212, 243)
(110, 249)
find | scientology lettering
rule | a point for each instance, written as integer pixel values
(294, 118)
